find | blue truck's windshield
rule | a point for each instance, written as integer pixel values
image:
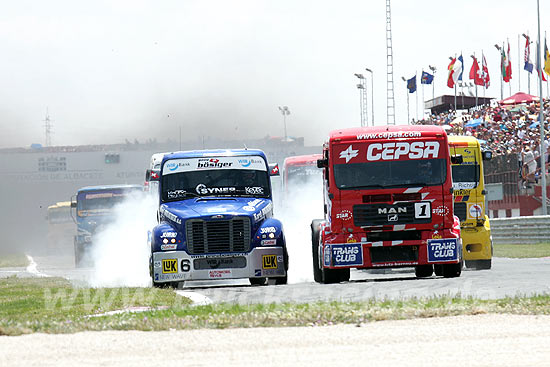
(101, 201)
(222, 182)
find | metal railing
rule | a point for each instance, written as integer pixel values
(521, 229)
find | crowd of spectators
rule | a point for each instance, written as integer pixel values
(505, 130)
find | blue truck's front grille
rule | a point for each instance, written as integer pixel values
(218, 236)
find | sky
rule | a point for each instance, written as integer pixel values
(107, 71)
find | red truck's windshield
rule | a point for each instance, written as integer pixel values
(408, 173)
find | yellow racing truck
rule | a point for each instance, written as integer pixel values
(469, 200)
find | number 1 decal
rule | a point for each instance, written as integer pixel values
(422, 210)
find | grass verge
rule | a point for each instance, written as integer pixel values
(522, 250)
(13, 260)
(51, 305)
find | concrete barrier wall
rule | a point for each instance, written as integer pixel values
(521, 229)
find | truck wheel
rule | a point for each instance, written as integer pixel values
(77, 256)
(483, 264)
(438, 270)
(423, 271)
(452, 270)
(335, 275)
(258, 281)
(317, 272)
(281, 280)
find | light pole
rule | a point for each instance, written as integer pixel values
(405, 80)
(371, 94)
(362, 98)
(541, 122)
(285, 111)
(501, 76)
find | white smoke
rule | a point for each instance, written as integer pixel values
(120, 255)
(298, 208)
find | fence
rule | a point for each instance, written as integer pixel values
(521, 229)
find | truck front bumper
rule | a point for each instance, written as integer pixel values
(174, 266)
(476, 242)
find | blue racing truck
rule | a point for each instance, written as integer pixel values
(215, 220)
(94, 210)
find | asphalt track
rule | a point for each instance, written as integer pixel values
(508, 277)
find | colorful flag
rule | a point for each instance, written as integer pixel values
(539, 69)
(411, 84)
(459, 67)
(485, 73)
(528, 66)
(505, 67)
(509, 66)
(476, 73)
(427, 78)
(450, 79)
(546, 59)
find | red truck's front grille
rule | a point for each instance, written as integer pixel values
(386, 214)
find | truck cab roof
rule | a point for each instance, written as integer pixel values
(384, 132)
(108, 187)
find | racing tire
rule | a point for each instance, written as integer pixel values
(423, 271)
(438, 270)
(258, 281)
(331, 276)
(452, 270)
(479, 264)
(317, 272)
(281, 280)
(78, 255)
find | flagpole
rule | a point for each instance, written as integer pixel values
(484, 76)
(519, 66)
(541, 125)
(423, 100)
(510, 63)
(416, 92)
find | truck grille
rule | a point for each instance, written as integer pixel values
(393, 254)
(385, 214)
(218, 236)
(460, 211)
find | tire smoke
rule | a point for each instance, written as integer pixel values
(299, 206)
(120, 255)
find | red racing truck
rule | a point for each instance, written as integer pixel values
(388, 198)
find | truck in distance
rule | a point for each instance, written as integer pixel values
(469, 201)
(94, 210)
(388, 203)
(215, 220)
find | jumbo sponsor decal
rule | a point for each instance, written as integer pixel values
(402, 150)
(214, 163)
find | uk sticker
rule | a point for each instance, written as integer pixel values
(442, 250)
(347, 255)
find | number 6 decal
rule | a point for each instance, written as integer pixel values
(422, 210)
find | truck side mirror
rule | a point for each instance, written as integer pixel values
(152, 175)
(456, 159)
(322, 163)
(274, 169)
(487, 155)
